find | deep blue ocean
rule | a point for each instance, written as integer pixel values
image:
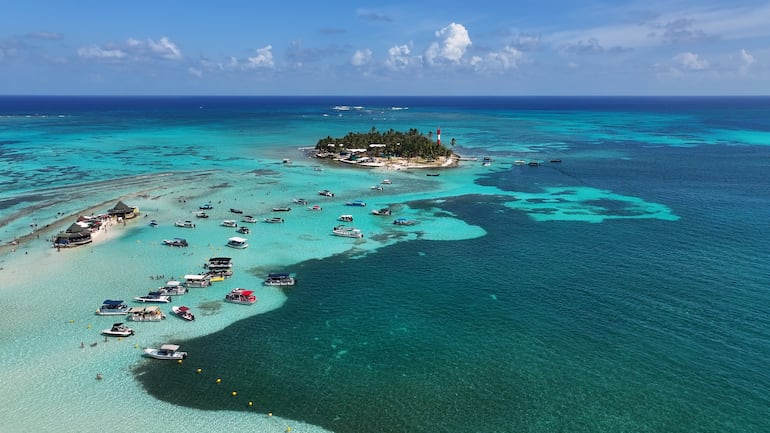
(627, 324)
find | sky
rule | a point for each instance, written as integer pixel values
(423, 47)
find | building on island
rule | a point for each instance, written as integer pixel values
(122, 210)
(77, 234)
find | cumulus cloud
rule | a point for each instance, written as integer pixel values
(507, 58)
(452, 46)
(690, 61)
(263, 59)
(398, 57)
(133, 49)
(361, 57)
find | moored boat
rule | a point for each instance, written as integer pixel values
(206, 206)
(237, 242)
(404, 222)
(241, 296)
(376, 187)
(386, 182)
(381, 212)
(118, 330)
(176, 242)
(187, 224)
(281, 209)
(243, 230)
(274, 220)
(201, 214)
(153, 297)
(234, 210)
(249, 219)
(113, 308)
(172, 288)
(183, 312)
(326, 193)
(166, 351)
(279, 279)
(347, 232)
(315, 208)
(196, 280)
(300, 201)
(359, 203)
(345, 218)
(146, 314)
(229, 223)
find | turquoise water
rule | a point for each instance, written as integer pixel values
(622, 289)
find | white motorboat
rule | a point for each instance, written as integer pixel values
(404, 222)
(229, 223)
(118, 330)
(300, 201)
(113, 308)
(241, 296)
(237, 242)
(345, 218)
(153, 297)
(347, 232)
(166, 351)
(183, 312)
(381, 212)
(386, 182)
(176, 242)
(359, 203)
(187, 224)
(196, 280)
(243, 230)
(326, 193)
(274, 220)
(249, 219)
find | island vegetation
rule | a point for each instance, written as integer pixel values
(410, 149)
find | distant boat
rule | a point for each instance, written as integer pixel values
(386, 182)
(185, 224)
(207, 206)
(345, 218)
(176, 242)
(432, 174)
(326, 193)
(237, 242)
(315, 207)
(153, 223)
(281, 209)
(404, 222)
(281, 279)
(300, 201)
(234, 210)
(118, 330)
(274, 220)
(249, 219)
(113, 308)
(241, 296)
(229, 223)
(359, 203)
(154, 297)
(347, 232)
(381, 212)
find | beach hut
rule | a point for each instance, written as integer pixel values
(122, 210)
(74, 236)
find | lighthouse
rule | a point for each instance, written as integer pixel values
(438, 136)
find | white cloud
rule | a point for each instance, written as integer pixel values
(453, 46)
(507, 58)
(691, 61)
(263, 59)
(398, 57)
(134, 49)
(101, 53)
(195, 71)
(361, 57)
(746, 61)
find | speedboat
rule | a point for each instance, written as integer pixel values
(315, 207)
(249, 219)
(113, 308)
(118, 330)
(432, 174)
(243, 230)
(206, 206)
(153, 223)
(386, 182)
(183, 312)
(166, 351)
(185, 224)
(154, 297)
(404, 222)
(274, 220)
(376, 187)
(326, 193)
(237, 242)
(229, 223)
(359, 203)
(234, 210)
(279, 280)
(346, 218)
(347, 232)
(176, 242)
(172, 288)
(201, 214)
(241, 296)
(382, 212)
(300, 201)
(281, 209)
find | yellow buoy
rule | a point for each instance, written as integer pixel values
(251, 403)
(234, 393)
(219, 380)
(288, 429)
(136, 345)
(89, 326)
(178, 361)
(269, 414)
(120, 338)
(198, 370)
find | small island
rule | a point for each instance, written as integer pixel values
(391, 149)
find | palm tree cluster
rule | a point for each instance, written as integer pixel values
(410, 144)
